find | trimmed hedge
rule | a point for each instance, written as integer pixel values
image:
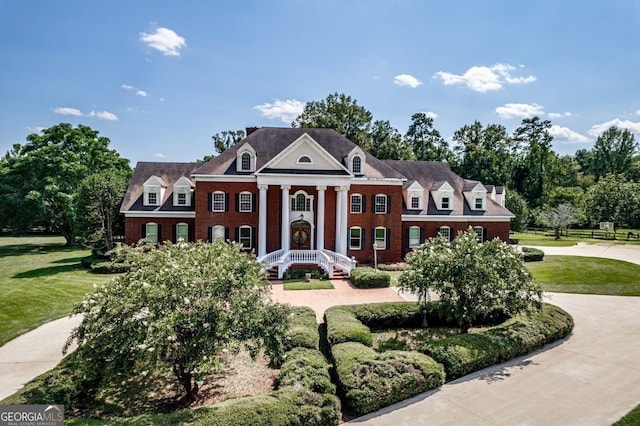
(398, 266)
(296, 274)
(370, 278)
(531, 254)
(305, 368)
(303, 329)
(466, 353)
(343, 326)
(368, 380)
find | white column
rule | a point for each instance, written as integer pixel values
(343, 220)
(320, 219)
(262, 221)
(286, 227)
(338, 219)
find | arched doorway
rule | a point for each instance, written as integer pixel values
(300, 235)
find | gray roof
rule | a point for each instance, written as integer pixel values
(169, 173)
(270, 141)
(431, 175)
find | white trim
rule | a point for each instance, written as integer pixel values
(355, 194)
(359, 228)
(445, 218)
(176, 215)
(304, 162)
(213, 202)
(224, 178)
(186, 240)
(377, 181)
(375, 237)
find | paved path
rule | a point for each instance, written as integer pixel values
(33, 353)
(591, 378)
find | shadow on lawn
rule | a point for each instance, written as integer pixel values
(22, 249)
(50, 270)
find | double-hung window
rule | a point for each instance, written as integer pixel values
(246, 202)
(356, 203)
(381, 204)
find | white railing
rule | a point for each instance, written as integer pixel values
(326, 259)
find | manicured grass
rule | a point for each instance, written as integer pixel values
(40, 280)
(539, 239)
(301, 284)
(588, 275)
(632, 418)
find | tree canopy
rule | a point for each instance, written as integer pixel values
(179, 308)
(40, 180)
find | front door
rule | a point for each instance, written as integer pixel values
(300, 235)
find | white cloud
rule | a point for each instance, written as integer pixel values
(430, 114)
(559, 114)
(638, 112)
(102, 115)
(406, 80)
(68, 111)
(567, 135)
(286, 111)
(598, 129)
(164, 40)
(159, 155)
(137, 91)
(520, 110)
(484, 79)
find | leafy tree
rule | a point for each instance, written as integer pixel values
(613, 199)
(223, 141)
(484, 154)
(425, 141)
(614, 152)
(98, 205)
(471, 278)
(339, 112)
(559, 218)
(517, 205)
(386, 143)
(532, 171)
(40, 179)
(179, 308)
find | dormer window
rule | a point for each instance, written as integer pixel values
(182, 192)
(154, 189)
(445, 203)
(356, 164)
(182, 198)
(479, 204)
(246, 158)
(245, 162)
(152, 198)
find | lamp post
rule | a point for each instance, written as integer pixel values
(375, 256)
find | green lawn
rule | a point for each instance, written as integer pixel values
(301, 284)
(40, 280)
(632, 418)
(539, 238)
(589, 275)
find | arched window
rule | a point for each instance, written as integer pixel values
(444, 232)
(304, 159)
(356, 164)
(218, 202)
(355, 238)
(245, 237)
(151, 232)
(217, 233)
(245, 162)
(380, 234)
(246, 202)
(414, 236)
(356, 203)
(301, 202)
(182, 232)
(381, 204)
(479, 230)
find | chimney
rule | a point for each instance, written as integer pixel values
(251, 130)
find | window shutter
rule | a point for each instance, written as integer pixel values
(388, 239)
(237, 235)
(484, 234)
(192, 233)
(226, 201)
(388, 204)
(143, 233)
(373, 237)
(421, 235)
(364, 204)
(408, 236)
(210, 234)
(237, 198)
(226, 233)
(210, 208)
(363, 239)
(253, 202)
(452, 233)
(160, 234)
(175, 233)
(254, 237)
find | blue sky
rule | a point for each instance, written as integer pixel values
(159, 78)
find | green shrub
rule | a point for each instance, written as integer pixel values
(398, 266)
(305, 368)
(388, 315)
(531, 254)
(303, 329)
(343, 326)
(297, 274)
(368, 380)
(109, 267)
(369, 278)
(465, 353)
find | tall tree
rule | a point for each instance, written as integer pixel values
(613, 199)
(425, 141)
(386, 143)
(531, 173)
(559, 218)
(226, 139)
(341, 113)
(614, 152)
(98, 205)
(41, 179)
(484, 154)
(518, 206)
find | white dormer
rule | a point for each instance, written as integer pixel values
(154, 188)
(356, 160)
(476, 196)
(442, 194)
(246, 159)
(414, 196)
(182, 190)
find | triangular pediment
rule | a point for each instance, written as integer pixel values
(155, 181)
(305, 155)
